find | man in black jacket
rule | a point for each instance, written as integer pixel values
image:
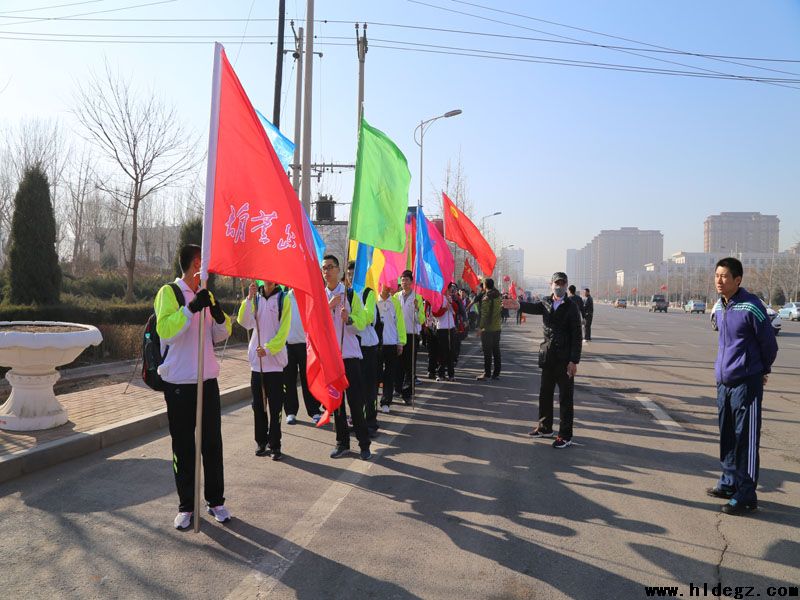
(559, 355)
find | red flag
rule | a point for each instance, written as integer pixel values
(512, 290)
(254, 227)
(663, 288)
(469, 277)
(459, 229)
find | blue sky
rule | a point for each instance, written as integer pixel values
(563, 152)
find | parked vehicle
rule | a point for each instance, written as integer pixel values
(774, 319)
(695, 306)
(791, 311)
(620, 303)
(658, 303)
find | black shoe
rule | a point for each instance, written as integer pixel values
(365, 454)
(277, 455)
(496, 377)
(541, 433)
(407, 401)
(718, 492)
(451, 379)
(483, 377)
(262, 451)
(340, 451)
(734, 507)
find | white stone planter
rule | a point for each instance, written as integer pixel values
(33, 356)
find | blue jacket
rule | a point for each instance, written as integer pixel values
(747, 345)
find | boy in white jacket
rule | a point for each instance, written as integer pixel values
(267, 310)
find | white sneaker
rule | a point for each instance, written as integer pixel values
(385, 409)
(291, 419)
(220, 513)
(316, 418)
(183, 520)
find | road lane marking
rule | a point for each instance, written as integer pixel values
(268, 571)
(605, 363)
(660, 415)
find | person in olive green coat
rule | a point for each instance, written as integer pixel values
(489, 327)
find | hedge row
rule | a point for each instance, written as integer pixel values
(97, 314)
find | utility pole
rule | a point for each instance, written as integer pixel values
(307, 108)
(361, 48)
(276, 106)
(298, 110)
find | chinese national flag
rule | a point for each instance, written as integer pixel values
(469, 277)
(254, 227)
(512, 290)
(459, 229)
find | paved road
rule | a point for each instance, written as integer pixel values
(459, 502)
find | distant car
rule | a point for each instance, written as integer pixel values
(774, 319)
(791, 311)
(658, 303)
(695, 306)
(620, 303)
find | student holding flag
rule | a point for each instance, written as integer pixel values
(368, 339)
(445, 334)
(296, 350)
(178, 326)
(349, 317)
(413, 309)
(393, 338)
(266, 309)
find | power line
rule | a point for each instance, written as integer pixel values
(21, 10)
(653, 48)
(634, 53)
(70, 17)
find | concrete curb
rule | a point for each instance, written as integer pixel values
(86, 442)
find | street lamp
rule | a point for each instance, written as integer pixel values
(483, 220)
(423, 125)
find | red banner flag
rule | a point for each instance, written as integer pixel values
(663, 288)
(459, 229)
(254, 227)
(512, 290)
(469, 277)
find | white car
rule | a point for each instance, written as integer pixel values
(791, 311)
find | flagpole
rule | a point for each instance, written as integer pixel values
(208, 211)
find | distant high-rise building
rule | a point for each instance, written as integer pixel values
(734, 232)
(512, 263)
(572, 262)
(627, 249)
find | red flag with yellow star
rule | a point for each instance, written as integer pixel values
(459, 229)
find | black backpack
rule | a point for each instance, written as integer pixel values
(151, 347)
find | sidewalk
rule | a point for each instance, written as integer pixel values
(107, 415)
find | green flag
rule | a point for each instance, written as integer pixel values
(380, 197)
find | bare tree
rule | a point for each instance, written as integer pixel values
(143, 136)
(80, 186)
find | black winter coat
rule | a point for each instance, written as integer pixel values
(561, 329)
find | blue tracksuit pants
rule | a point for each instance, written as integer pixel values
(739, 409)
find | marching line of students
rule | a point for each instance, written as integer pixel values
(378, 334)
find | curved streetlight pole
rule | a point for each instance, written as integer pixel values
(483, 220)
(423, 125)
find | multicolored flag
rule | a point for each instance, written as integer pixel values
(429, 281)
(469, 277)
(380, 194)
(459, 229)
(254, 226)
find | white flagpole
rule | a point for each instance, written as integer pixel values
(208, 215)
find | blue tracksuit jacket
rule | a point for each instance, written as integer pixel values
(747, 345)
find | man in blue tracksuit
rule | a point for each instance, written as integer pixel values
(747, 349)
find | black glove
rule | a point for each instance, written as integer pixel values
(217, 313)
(200, 301)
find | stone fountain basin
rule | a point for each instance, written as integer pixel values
(33, 350)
